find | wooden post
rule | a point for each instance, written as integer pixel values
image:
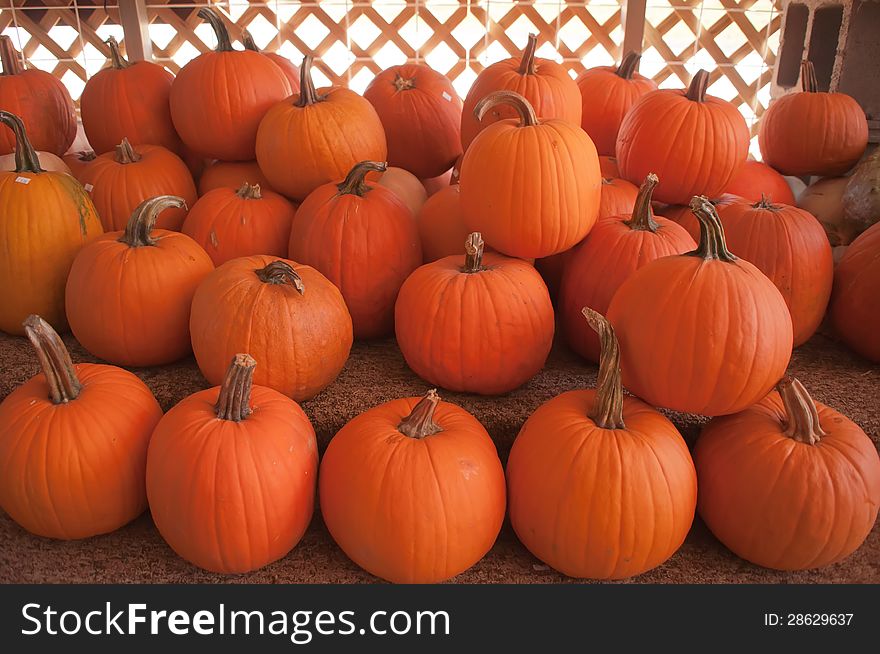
(133, 16)
(633, 25)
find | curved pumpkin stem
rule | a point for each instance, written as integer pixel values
(10, 59)
(628, 65)
(64, 385)
(607, 411)
(420, 422)
(697, 89)
(224, 44)
(802, 416)
(527, 115)
(281, 272)
(473, 258)
(308, 95)
(712, 244)
(234, 401)
(143, 219)
(86, 155)
(354, 183)
(26, 160)
(126, 154)
(642, 215)
(403, 84)
(809, 81)
(117, 61)
(527, 63)
(249, 191)
(247, 40)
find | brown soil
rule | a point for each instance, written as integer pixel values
(374, 374)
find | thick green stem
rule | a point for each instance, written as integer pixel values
(526, 112)
(420, 422)
(9, 57)
(234, 401)
(58, 369)
(354, 183)
(712, 244)
(308, 95)
(802, 422)
(697, 89)
(473, 258)
(527, 63)
(143, 219)
(126, 154)
(26, 159)
(224, 44)
(607, 411)
(629, 65)
(642, 215)
(809, 81)
(117, 61)
(249, 191)
(281, 272)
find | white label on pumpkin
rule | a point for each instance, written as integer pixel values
(447, 97)
(88, 188)
(23, 180)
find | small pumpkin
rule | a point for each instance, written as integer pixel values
(231, 474)
(755, 180)
(48, 162)
(601, 485)
(231, 175)
(854, 310)
(290, 69)
(404, 185)
(412, 490)
(77, 162)
(441, 223)
(684, 215)
(789, 483)
(618, 197)
(74, 444)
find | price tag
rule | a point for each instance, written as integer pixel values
(447, 97)
(88, 188)
(23, 180)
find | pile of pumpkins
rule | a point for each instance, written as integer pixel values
(298, 238)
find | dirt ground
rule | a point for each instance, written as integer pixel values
(137, 554)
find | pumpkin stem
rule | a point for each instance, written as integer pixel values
(125, 153)
(249, 192)
(802, 416)
(234, 401)
(117, 61)
(58, 369)
(9, 57)
(308, 95)
(402, 84)
(697, 89)
(527, 63)
(712, 244)
(26, 160)
(354, 183)
(473, 258)
(765, 203)
(809, 81)
(224, 44)
(281, 272)
(86, 155)
(642, 215)
(143, 219)
(527, 115)
(247, 40)
(607, 411)
(628, 65)
(420, 422)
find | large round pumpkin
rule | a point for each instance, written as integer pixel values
(813, 133)
(421, 113)
(73, 446)
(290, 69)
(41, 101)
(364, 240)
(545, 84)
(702, 332)
(219, 98)
(855, 309)
(601, 485)
(531, 187)
(485, 327)
(789, 483)
(441, 223)
(412, 490)
(288, 315)
(231, 175)
(47, 218)
(755, 180)
(699, 156)
(315, 137)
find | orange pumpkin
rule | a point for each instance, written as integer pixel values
(231, 175)
(432, 471)
(855, 311)
(702, 332)
(77, 162)
(755, 180)
(436, 184)
(615, 248)
(618, 197)
(789, 483)
(230, 224)
(486, 327)
(699, 157)
(545, 84)
(74, 444)
(601, 485)
(41, 101)
(288, 315)
(128, 100)
(522, 207)
(813, 133)
(315, 137)
(441, 224)
(608, 166)
(47, 218)
(404, 185)
(48, 162)
(136, 282)
(290, 69)
(684, 216)
(231, 474)
(607, 94)
(364, 240)
(219, 98)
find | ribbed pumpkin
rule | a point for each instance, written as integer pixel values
(315, 137)
(404, 185)
(789, 483)
(789, 246)
(813, 133)
(531, 187)
(601, 485)
(607, 94)
(231, 474)
(702, 332)
(47, 217)
(364, 240)
(684, 215)
(41, 101)
(219, 98)
(77, 162)
(441, 224)
(615, 248)
(412, 490)
(855, 310)
(230, 224)
(232, 174)
(73, 446)
(618, 197)
(285, 314)
(699, 157)
(421, 113)
(755, 180)
(119, 181)
(129, 293)
(545, 84)
(290, 69)
(128, 100)
(485, 327)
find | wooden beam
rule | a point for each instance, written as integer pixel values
(633, 25)
(135, 24)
